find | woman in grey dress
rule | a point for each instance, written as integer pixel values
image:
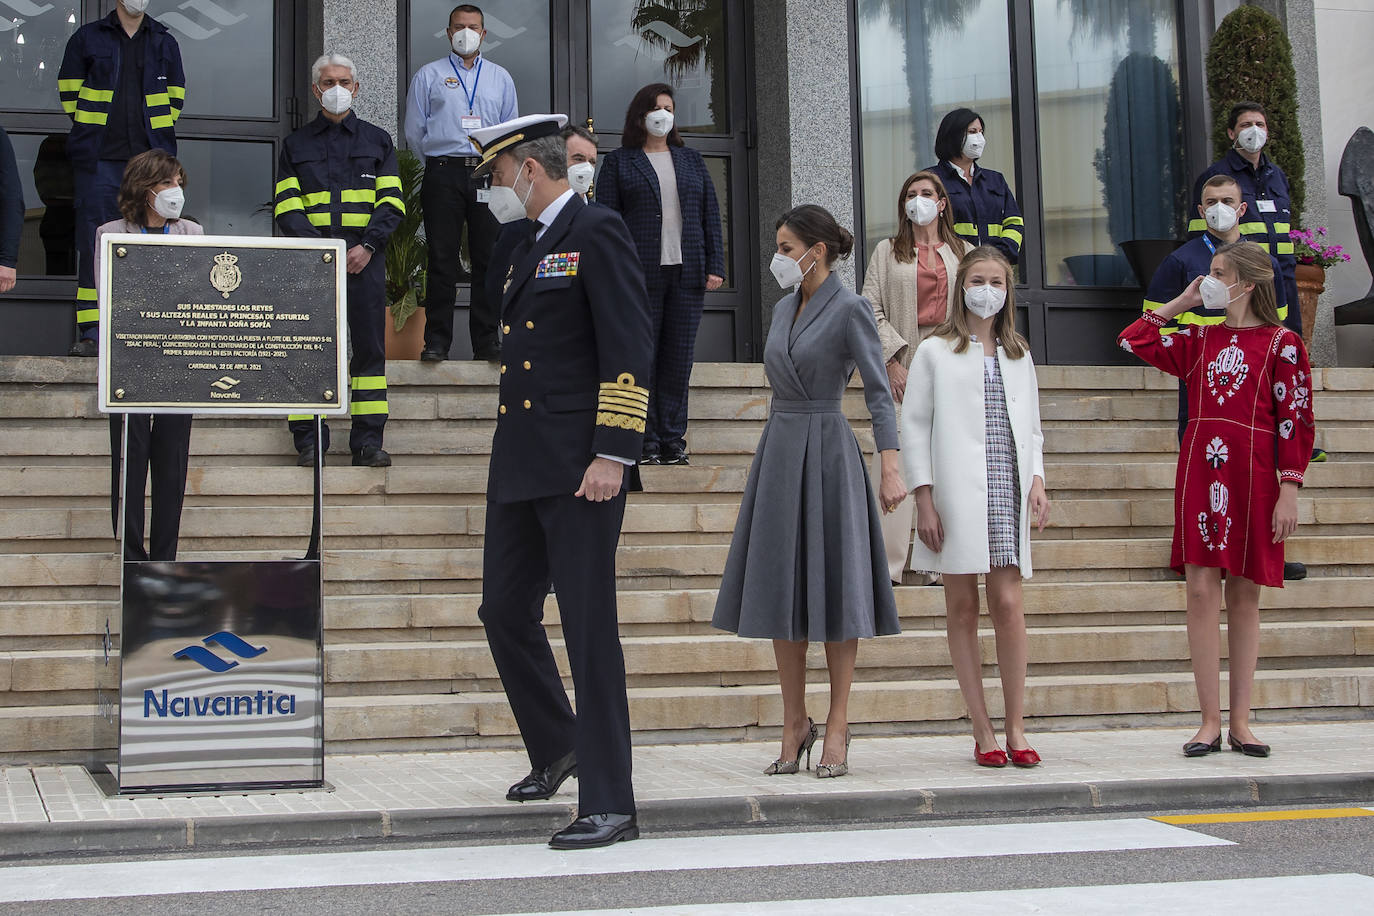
(807, 560)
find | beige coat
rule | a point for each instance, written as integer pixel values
(944, 445)
(890, 287)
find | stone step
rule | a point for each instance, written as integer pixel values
(412, 617)
(449, 721)
(455, 666)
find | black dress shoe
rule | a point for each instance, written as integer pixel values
(1202, 748)
(543, 783)
(674, 455)
(84, 347)
(370, 456)
(488, 354)
(649, 457)
(1292, 572)
(306, 457)
(593, 830)
(1249, 750)
(429, 355)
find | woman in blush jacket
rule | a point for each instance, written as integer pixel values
(974, 454)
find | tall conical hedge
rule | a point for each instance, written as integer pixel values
(1250, 59)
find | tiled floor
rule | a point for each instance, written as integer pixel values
(472, 779)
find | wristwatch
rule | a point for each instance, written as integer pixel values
(370, 249)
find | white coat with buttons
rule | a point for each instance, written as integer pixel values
(944, 446)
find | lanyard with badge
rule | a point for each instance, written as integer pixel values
(469, 121)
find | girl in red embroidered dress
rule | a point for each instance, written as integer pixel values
(1246, 446)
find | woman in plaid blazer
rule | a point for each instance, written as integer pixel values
(664, 193)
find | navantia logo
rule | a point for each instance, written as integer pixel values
(212, 662)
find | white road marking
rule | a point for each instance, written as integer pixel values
(481, 863)
(1345, 894)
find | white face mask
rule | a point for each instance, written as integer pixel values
(580, 176)
(1221, 218)
(466, 42)
(922, 210)
(974, 144)
(135, 7)
(659, 122)
(1215, 294)
(506, 205)
(787, 271)
(985, 301)
(336, 100)
(168, 202)
(1252, 138)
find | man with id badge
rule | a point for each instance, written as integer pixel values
(449, 99)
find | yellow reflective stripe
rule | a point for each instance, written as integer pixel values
(1012, 235)
(395, 202)
(82, 116)
(288, 184)
(966, 229)
(95, 95)
(1197, 224)
(297, 417)
(1149, 305)
(1254, 229)
(318, 219)
(1195, 318)
(367, 408)
(73, 85)
(154, 99)
(994, 230)
(316, 198)
(1282, 227)
(69, 106)
(286, 206)
(1284, 248)
(354, 220)
(388, 181)
(87, 316)
(1013, 221)
(176, 113)
(369, 383)
(159, 122)
(176, 92)
(1283, 311)
(85, 294)
(363, 196)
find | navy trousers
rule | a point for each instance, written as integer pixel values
(162, 443)
(449, 197)
(97, 202)
(367, 317)
(676, 314)
(572, 542)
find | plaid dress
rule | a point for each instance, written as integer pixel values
(1004, 487)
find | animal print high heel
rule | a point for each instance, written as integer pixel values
(832, 770)
(781, 767)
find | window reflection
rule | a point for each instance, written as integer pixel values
(719, 169)
(1111, 149)
(226, 50)
(917, 62)
(517, 39)
(638, 42)
(32, 39)
(229, 185)
(47, 245)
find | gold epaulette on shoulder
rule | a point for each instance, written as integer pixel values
(622, 404)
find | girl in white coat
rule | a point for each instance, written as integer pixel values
(973, 453)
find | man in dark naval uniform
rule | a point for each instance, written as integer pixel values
(569, 428)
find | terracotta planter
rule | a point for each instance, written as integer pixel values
(1311, 282)
(411, 339)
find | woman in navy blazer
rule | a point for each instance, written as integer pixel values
(663, 192)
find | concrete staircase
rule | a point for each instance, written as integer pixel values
(406, 663)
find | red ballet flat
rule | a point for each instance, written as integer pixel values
(993, 758)
(1026, 757)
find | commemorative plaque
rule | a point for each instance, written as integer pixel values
(222, 324)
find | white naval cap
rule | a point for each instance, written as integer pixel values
(496, 139)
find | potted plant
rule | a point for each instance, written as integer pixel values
(406, 263)
(1314, 257)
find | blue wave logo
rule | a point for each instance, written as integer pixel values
(225, 640)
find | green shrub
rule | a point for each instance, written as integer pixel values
(1250, 59)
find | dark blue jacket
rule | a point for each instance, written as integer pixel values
(89, 77)
(628, 184)
(985, 213)
(11, 204)
(1185, 264)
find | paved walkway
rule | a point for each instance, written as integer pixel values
(50, 808)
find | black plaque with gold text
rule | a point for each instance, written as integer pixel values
(220, 324)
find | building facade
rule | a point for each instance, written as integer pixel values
(1095, 113)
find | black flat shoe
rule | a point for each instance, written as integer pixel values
(1201, 748)
(305, 458)
(432, 356)
(1292, 572)
(1249, 750)
(370, 456)
(593, 830)
(543, 783)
